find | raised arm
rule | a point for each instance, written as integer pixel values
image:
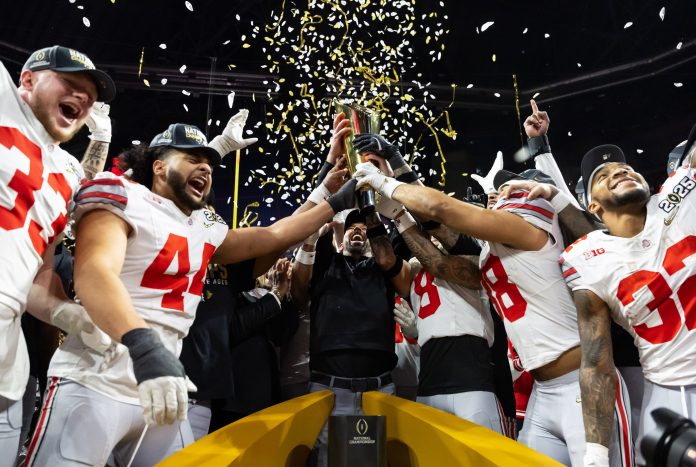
(598, 377)
(398, 270)
(99, 125)
(459, 270)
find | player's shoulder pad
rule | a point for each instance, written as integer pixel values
(518, 203)
(210, 216)
(105, 188)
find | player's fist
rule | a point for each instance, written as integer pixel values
(162, 385)
(99, 123)
(536, 124)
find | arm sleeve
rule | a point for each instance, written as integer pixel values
(547, 164)
(537, 212)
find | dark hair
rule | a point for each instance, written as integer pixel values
(139, 159)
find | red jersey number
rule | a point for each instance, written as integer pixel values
(156, 277)
(506, 297)
(423, 286)
(25, 184)
(662, 302)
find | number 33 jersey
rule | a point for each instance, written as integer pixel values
(649, 281)
(163, 271)
(37, 180)
(527, 289)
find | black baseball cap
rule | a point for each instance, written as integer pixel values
(354, 217)
(184, 136)
(595, 159)
(504, 176)
(67, 60)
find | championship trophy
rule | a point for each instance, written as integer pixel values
(362, 120)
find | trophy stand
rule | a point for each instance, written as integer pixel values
(362, 120)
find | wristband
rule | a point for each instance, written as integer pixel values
(388, 186)
(596, 455)
(376, 231)
(319, 194)
(305, 257)
(394, 270)
(538, 145)
(324, 171)
(560, 201)
(404, 222)
(430, 225)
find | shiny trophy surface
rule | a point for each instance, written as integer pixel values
(362, 120)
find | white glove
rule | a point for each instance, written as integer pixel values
(165, 399)
(232, 137)
(404, 315)
(99, 123)
(368, 175)
(388, 207)
(487, 181)
(73, 319)
(596, 455)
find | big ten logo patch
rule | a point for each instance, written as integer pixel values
(589, 254)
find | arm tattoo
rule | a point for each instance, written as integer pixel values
(459, 270)
(94, 158)
(381, 247)
(447, 236)
(597, 372)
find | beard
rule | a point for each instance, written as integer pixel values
(178, 185)
(354, 248)
(42, 113)
(636, 196)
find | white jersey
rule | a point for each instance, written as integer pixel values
(37, 180)
(648, 281)
(527, 289)
(446, 309)
(164, 269)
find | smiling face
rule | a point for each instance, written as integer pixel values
(60, 101)
(355, 239)
(183, 177)
(617, 185)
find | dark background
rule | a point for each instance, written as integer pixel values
(623, 92)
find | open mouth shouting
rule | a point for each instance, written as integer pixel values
(197, 185)
(70, 112)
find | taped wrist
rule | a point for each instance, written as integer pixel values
(324, 171)
(394, 270)
(305, 257)
(560, 201)
(319, 194)
(376, 231)
(538, 145)
(404, 222)
(150, 358)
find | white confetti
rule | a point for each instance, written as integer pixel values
(525, 30)
(579, 65)
(80, 7)
(226, 42)
(570, 133)
(639, 151)
(135, 141)
(185, 107)
(182, 69)
(163, 81)
(268, 200)
(163, 46)
(536, 94)
(185, 92)
(496, 94)
(188, 5)
(679, 45)
(547, 35)
(678, 85)
(486, 25)
(230, 99)
(662, 13)
(470, 85)
(628, 25)
(85, 21)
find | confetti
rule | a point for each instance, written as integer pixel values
(486, 25)
(163, 81)
(547, 35)
(570, 133)
(85, 21)
(679, 45)
(140, 62)
(185, 107)
(470, 85)
(185, 92)
(230, 99)
(525, 30)
(579, 65)
(628, 25)
(80, 7)
(189, 7)
(639, 151)
(493, 58)
(146, 82)
(662, 13)
(182, 69)
(678, 85)
(536, 94)
(226, 42)
(496, 94)
(163, 46)
(135, 142)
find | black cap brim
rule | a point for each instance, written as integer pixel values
(106, 89)
(354, 217)
(503, 176)
(596, 158)
(213, 156)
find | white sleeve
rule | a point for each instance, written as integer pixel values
(547, 164)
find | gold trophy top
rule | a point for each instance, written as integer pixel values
(362, 120)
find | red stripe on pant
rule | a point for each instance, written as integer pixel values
(624, 426)
(43, 421)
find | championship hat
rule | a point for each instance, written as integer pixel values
(536, 175)
(66, 60)
(595, 159)
(184, 136)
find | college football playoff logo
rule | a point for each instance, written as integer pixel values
(361, 427)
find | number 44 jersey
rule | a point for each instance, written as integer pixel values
(163, 271)
(649, 281)
(527, 289)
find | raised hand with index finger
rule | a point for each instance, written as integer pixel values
(537, 124)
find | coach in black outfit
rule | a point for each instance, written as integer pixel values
(351, 313)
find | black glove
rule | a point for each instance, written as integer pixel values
(325, 169)
(344, 198)
(151, 359)
(371, 142)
